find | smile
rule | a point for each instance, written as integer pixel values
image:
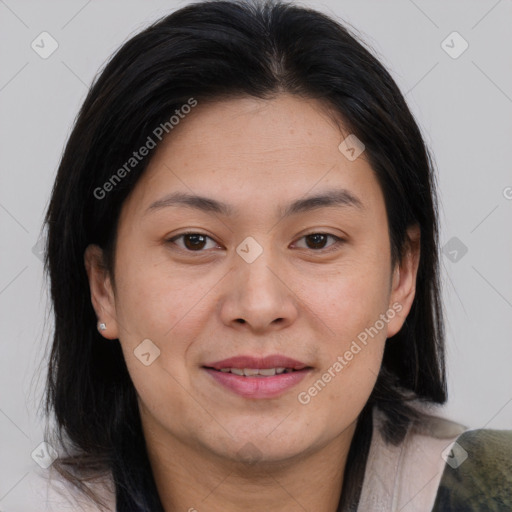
(256, 377)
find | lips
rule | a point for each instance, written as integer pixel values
(257, 377)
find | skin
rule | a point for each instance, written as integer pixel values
(304, 302)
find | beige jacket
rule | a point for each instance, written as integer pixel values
(405, 478)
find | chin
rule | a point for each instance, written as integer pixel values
(265, 444)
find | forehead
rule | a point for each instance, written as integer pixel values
(265, 151)
(284, 127)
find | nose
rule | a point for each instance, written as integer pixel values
(258, 297)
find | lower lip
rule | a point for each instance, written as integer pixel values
(258, 387)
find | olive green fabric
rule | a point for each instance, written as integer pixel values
(483, 481)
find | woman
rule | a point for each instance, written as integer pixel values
(243, 260)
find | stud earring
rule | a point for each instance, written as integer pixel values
(102, 326)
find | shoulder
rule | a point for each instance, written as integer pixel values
(48, 491)
(478, 473)
(406, 476)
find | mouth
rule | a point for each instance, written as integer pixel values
(254, 377)
(256, 372)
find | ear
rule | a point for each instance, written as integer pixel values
(102, 295)
(403, 286)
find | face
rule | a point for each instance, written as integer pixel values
(257, 275)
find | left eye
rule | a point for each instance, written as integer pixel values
(318, 240)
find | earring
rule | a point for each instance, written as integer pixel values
(102, 326)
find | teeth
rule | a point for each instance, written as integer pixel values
(251, 372)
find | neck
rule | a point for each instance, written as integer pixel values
(190, 479)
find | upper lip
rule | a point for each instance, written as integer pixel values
(271, 361)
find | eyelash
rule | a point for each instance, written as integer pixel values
(338, 241)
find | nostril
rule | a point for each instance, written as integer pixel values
(240, 320)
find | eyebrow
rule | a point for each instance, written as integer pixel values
(330, 198)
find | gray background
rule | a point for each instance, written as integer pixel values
(463, 106)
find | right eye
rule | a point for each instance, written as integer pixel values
(192, 242)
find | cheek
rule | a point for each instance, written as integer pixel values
(349, 304)
(347, 301)
(166, 308)
(171, 309)
(351, 361)
(155, 300)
